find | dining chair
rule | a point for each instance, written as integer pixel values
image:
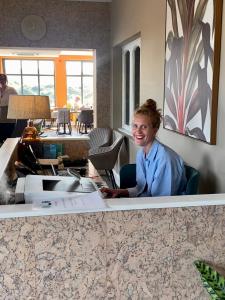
(85, 120)
(63, 119)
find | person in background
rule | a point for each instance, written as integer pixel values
(159, 170)
(6, 125)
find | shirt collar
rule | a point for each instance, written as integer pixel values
(152, 151)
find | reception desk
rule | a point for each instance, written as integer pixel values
(140, 248)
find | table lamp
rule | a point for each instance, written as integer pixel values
(29, 107)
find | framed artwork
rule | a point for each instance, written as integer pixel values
(193, 37)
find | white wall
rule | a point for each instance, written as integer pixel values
(148, 17)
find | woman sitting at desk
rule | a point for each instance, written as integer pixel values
(159, 170)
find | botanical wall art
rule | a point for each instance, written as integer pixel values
(193, 32)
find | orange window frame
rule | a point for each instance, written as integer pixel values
(60, 72)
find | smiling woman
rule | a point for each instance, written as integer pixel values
(159, 170)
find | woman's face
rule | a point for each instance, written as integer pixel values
(143, 132)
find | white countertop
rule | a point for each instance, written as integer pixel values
(26, 210)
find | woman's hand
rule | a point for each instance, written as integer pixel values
(114, 193)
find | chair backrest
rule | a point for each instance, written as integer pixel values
(63, 115)
(104, 158)
(100, 137)
(128, 176)
(192, 176)
(86, 117)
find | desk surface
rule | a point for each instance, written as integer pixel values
(26, 210)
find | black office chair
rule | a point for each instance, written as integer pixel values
(128, 176)
(192, 176)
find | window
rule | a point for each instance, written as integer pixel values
(79, 78)
(131, 81)
(32, 77)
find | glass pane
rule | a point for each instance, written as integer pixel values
(137, 77)
(47, 88)
(127, 88)
(29, 67)
(30, 85)
(15, 81)
(88, 68)
(46, 67)
(88, 91)
(73, 89)
(73, 68)
(12, 67)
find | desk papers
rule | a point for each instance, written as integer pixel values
(87, 201)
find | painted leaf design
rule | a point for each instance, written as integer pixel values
(169, 123)
(193, 56)
(191, 85)
(194, 107)
(212, 280)
(190, 11)
(206, 44)
(169, 39)
(174, 16)
(200, 11)
(173, 69)
(169, 44)
(196, 132)
(187, 84)
(214, 15)
(170, 102)
(204, 93)
(182, 6)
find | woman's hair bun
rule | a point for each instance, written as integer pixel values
(150, 104)
(149, 108)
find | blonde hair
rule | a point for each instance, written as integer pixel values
(149, 108)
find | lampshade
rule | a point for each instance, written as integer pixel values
(28, 107)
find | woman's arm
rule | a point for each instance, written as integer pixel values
(114, 193)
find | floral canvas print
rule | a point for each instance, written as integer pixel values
(193, 31)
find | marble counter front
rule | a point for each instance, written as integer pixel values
(136, 254)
